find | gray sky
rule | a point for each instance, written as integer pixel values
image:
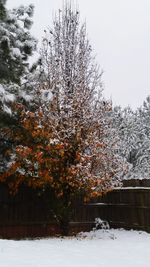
(119, 31)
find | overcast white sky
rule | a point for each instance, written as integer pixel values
(119, 31)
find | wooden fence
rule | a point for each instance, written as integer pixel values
(29, 214)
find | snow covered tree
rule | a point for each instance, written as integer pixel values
(125, 124)
(65, 143)
(134, 134)
(16, 45)
(142, 168)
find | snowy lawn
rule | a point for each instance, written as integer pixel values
(109, 248)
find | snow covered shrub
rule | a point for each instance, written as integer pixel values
(101, 224)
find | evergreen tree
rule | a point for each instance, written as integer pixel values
(16, 46)
(2, 9)
(16, 43)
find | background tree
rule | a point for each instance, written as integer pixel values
(142, 168)
(134, 134)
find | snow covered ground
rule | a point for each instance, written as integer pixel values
(109, 248)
